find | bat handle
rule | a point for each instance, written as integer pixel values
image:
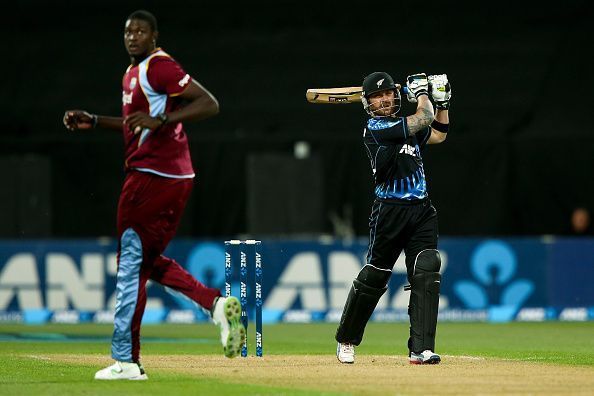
(404, 90)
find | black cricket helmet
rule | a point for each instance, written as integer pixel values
(377, 82)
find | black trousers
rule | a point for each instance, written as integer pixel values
(395, 227)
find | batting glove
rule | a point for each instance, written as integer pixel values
(417, 85)
(441, 90)
(409, 95)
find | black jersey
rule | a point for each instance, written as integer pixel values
(395, 157)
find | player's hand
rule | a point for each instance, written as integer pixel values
(79, 119)
(138, 121)
(417, 85)
(441, 90)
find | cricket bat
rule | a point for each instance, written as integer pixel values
(336, 95)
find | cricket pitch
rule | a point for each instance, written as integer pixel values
(370, 375)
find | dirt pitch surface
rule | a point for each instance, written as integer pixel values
(379, 375)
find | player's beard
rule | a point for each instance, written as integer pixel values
(386, 108)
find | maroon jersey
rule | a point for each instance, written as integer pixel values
(152, 87)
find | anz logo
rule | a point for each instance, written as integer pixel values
(408, 150)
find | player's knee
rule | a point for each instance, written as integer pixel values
(427, 260)
(374, 277)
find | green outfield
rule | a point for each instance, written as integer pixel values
(299, 359)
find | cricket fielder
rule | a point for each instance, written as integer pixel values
(157, 96)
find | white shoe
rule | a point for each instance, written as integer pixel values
(425, 357)
(345, 353)
(122, 370)
(227, 315)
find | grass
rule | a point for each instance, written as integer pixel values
(22, 376)
(27, 370)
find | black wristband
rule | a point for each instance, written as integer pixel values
(163, 118)
(438, 126)
(94, 120)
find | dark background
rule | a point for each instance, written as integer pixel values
(518, 159)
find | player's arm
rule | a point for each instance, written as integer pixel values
(441, 92)
(110, 122)
(201, 104)
(80, 119)
(423, 117)
(418, 90)
(439, 127)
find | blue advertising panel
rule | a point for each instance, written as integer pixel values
(304, 280)
(501, 276)
(572, 272)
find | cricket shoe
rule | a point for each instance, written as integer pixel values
(345, 353)
(227, 315)
(425, 357)
(122, 371)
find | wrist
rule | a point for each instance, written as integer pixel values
(418, 94)
(443, 105)
(423, 98)
(163, 118)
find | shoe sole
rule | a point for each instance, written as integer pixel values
(237, 335)
(137, 378)
(431, 360)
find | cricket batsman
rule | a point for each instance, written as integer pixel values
(402, 216)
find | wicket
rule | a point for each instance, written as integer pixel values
(231, 248)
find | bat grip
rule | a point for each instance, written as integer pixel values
(404, 90)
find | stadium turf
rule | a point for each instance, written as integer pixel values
(187, 359)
